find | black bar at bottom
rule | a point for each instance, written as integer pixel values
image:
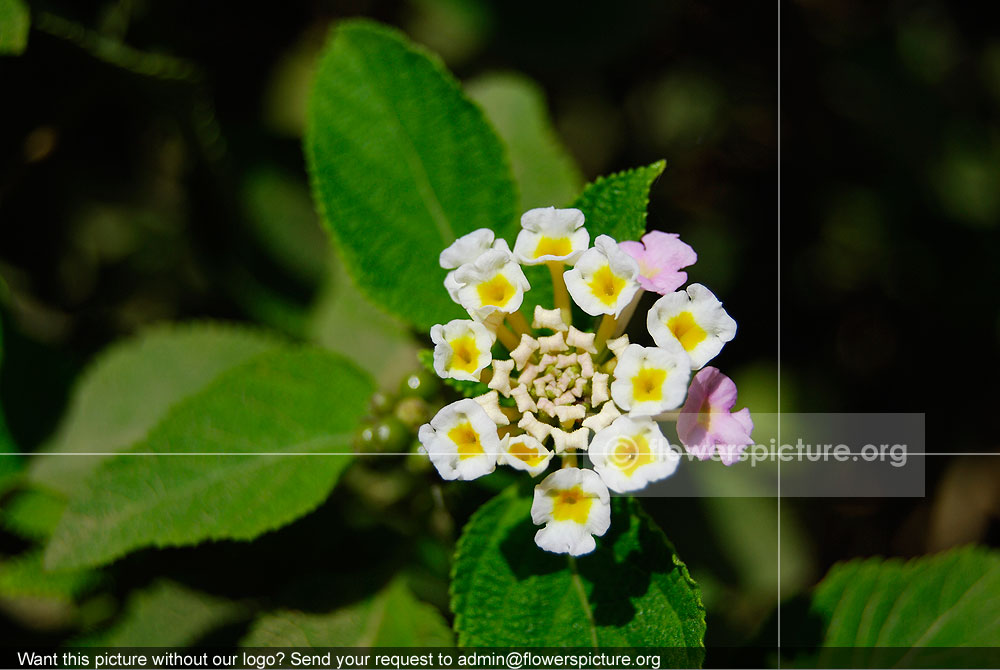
(547, 658)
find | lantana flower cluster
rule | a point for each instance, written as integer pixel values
(569, 391)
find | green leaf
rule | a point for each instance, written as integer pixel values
(891, 613)
(14, 23)
(633, 591)
(129, 388)
(32, 514)
(546, 174)
(345, 321)
(391, 618)
(615, 205)
(402, 163)
(166, 615)
(244, 456)
(24, 576)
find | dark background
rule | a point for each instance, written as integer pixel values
(122, 203)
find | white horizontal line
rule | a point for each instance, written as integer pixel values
(198, 453)
(409, 453)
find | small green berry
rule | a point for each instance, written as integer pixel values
(381, 403)
(365, 442)
(421, 384)
(391, 435)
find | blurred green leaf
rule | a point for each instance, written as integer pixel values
(267, 305)
(270, 420)
(454, 29)
(10, 465)
(280, 211)
(890, 613)
(24, 576)
(745, 521)
(680, 110)
(402, 163)
(546, 174)
(14, 24)
(391, 618)
(286, 94)
(32, 514)
(966, 179)
(130, 386)
(345, 321)
(632, 591)
(165, 614)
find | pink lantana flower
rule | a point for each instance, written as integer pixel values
(661, 257)
(706, 421)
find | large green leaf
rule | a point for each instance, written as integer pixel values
(402, 163)
(515, 105)
(260, 446)
(165, 614)
(633, 591)
(14, 23)
(615, 205)
(130, 387)
(918, 613)
(392, 618)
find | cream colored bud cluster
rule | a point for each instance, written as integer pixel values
(561, 392)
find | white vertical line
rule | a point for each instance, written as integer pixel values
(779, 329)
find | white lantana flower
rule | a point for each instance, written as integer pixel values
(461, 349)
(574, 505)
(549, 234)
(604, 280)
(649, 380)
(695, 319)
(494, 282)
(523, 452)
(467, 249)
(461, 441)
(631, 453)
